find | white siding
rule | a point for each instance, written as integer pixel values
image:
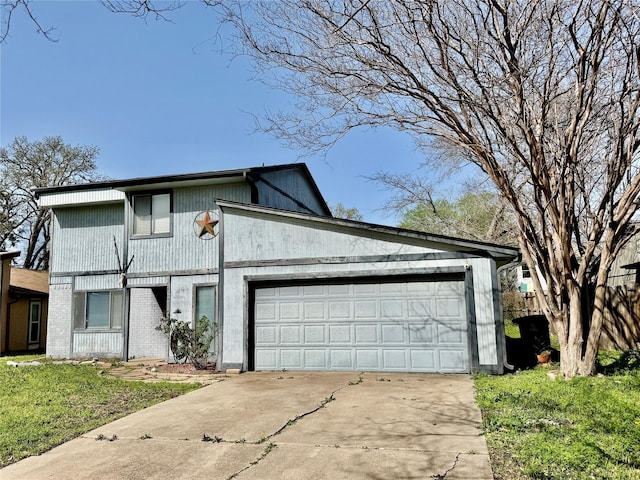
(83, 238)
(59, 321)
(80, 197)
(97, 344)
(144, 339)
(258, 236)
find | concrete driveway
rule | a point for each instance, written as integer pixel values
(286, 425)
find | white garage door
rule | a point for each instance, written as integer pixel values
(386, 326)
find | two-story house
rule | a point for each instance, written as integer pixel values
(289, 286)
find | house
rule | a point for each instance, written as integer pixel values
(23, 307)
(5, 275)
(289, 286)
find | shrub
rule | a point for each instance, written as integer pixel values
(189, 344)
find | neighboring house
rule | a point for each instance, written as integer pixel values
(525, 282)
(289, 286)
(28, 305)
(24, 307)
(5, 276)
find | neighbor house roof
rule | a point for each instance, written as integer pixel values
(30, 282)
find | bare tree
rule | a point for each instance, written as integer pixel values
(9, 8)
(27, 165)
(542, 96)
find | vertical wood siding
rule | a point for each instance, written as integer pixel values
(183, 250)
(485, 316)
(83, 238)
(296, 186)
(97, 282)
(97, 344)
(256, 236)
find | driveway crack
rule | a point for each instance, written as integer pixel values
(438, 476)
(271, 446)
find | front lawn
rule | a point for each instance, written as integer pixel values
(554, 429)
(44, 406)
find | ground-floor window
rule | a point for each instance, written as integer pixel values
(35, 316)
(98, 310)
(205, 302)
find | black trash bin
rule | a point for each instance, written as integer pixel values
(534, 334)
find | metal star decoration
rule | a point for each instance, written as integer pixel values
(207, 224)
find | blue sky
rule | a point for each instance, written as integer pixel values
(159, 98)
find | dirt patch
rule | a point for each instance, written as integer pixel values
(183, 368)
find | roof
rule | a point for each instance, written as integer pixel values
(183, 180)
(8, 255)
(29, 281)
(496, 251)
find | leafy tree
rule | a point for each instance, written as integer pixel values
(340, 211)
(27, 165)
(543, 97)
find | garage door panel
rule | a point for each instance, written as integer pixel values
(315, 359)
(451, 334)
(367, 359)
(339, 309)
(340, 334)
(420, 308)
(423, 360)
(266, 335)
(314, 334)
(340, 359)
(394, 360)
(366, 334)
(291, 359)
(422, 334)
(265, 311)
(365, 289)
(267, 358)
(392, 326)
(450, 360)
(392, 308)
(314, 311)
(448, 308)
(290, 334)
(290, 311)
(365, 309)
(314, 290)
(391, 288)
(393, 333)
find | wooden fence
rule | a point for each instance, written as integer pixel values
(621, 329)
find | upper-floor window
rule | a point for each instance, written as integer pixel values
(152, 214)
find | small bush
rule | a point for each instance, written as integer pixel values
(189, 344)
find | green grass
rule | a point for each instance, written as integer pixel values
(555, 429)
(41, 407)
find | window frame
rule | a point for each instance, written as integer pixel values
(213, 349)
(134, 216)
(196, 287)
(115, 315)
(37, 324)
